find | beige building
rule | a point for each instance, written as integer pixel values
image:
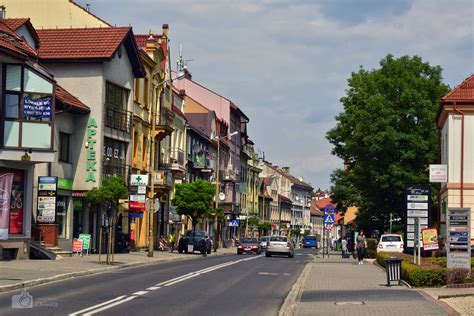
(456, 123)
(53, 13)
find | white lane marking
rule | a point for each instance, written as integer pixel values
(153, 288)
(96, 306)
(110, 306)
(121, 299)
(298, 254)
(273, 273)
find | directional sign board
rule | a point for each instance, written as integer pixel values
(417, 198)
(459, 239)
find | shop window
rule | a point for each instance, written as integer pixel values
(64, 147)
(16, 214)
(61, 215)
(28, 109)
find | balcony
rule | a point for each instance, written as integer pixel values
(173, 159)
(111, 170)
(164, 124)
(118, 119)
(230, 175)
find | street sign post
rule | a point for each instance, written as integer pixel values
(328, 224)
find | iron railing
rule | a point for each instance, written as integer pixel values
(118, 119)
(113, 170)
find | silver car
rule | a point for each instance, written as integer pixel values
(280, 245)
(263, 242)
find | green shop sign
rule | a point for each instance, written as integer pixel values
(65, 184)
(91, 155)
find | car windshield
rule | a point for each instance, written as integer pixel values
(310, 237)
(249, 240)
(277, 238)
(391, 238)
(198, 233)
(264, 239)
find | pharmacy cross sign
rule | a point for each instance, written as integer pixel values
(139, 180)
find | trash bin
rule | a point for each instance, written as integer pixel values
(394, 270)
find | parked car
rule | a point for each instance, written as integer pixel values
(263, 242)
(248, 245)
(280, 245)
(202, 242)
(309, 241)
(390, 243)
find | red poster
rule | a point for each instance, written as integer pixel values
(16, 204)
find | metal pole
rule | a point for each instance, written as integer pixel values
(100, 242)
(419, 242)
(216, 237)
(390, 222)
(415, 240)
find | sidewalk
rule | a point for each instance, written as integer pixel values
(16, 274)
(336, 286)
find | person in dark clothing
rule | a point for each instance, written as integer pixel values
(361, 247)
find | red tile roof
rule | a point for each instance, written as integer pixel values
(465, 91)
(16, 23)
(142, 39)
(283, 198)
(10, 41)
(81, 43)
(321, 204)
(68, 99)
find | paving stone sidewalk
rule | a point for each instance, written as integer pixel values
(15, 274)
(336, 286)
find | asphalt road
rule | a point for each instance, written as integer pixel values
(219, 285)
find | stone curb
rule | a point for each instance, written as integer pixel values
(291, 301)
(443, 296)
(65, 276)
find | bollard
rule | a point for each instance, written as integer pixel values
(393, 266)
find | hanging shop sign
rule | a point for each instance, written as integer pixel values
(459, 238)
(139, 180)
(37, 109)
(430, 239)
(91, 152)
(47, 190)
(438, 173)
(65, 184)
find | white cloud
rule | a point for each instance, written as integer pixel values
(285, 63)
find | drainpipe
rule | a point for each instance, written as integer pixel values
(462, 152)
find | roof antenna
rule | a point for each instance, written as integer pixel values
(181, 63)
(88, 7)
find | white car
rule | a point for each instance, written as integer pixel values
(390, 243)
(280, 245)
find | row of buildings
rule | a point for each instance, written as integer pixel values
(83, 101)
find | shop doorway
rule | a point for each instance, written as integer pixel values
(78, 218)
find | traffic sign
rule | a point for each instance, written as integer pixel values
(329, 209)
(328, 219)
(234, 223)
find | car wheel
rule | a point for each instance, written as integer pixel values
(239, 253)
(267, 254)
(209, 251)
(180, 250)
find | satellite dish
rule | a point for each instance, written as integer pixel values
(222, 196)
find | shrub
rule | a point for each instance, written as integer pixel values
(457, 276)
(371, 248)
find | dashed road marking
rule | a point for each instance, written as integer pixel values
(140, 293)
(153, 288)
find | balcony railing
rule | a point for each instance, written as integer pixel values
(173, 158)
(200, 161)
(118, 119)
(112, 170)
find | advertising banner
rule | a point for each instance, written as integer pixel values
(38, 109)
(47, 187)
(430, 239)
(77, 245)
(86, 241)
(6, 181)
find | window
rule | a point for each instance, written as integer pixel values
(64, 147)
(145, 93)
(27, 108)
(115, 96)
(114, 158)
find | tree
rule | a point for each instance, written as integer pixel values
(194, 200)
(386, 136)
(108, 196)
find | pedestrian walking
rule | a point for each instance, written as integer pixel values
(162, 243)
(171, 241)
(344, 247)
(361, 247)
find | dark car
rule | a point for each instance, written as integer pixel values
(248, 245)
(202, 242)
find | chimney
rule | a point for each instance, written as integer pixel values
(286, 170)
(3, 12)
(151, 42)
(165, 30)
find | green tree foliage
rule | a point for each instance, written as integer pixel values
(194, 200)
(386, 136)
(109, 193)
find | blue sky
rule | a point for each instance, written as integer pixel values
(286, 63)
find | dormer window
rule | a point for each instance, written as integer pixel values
(28, 109)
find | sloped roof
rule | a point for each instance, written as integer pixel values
(463, 92)
(15, 23)
(88, 43)
(81, 43)
(65, 98)
(321, 204)
(10, 41)
(142, 39)
(178, 111)
(314, 209)
(283, 198)
(200, 121)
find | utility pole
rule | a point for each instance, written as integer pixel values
(216, 237)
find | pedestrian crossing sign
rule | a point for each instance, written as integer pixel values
(234, 223)
(328, 219)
